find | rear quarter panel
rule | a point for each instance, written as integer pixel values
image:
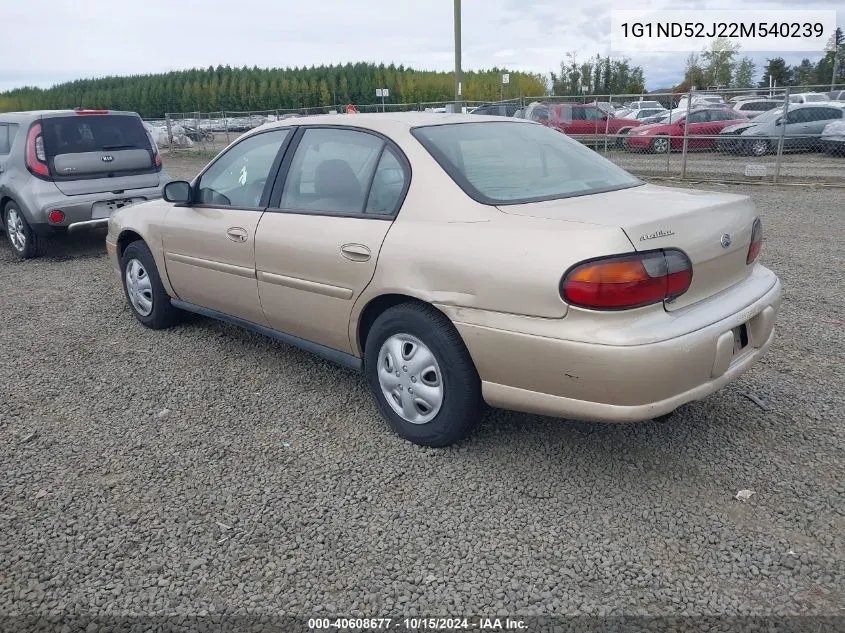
(448, 250)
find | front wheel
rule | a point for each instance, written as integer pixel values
(421, 375)
(144, 291)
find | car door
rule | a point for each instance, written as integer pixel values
(209, 246)
(817, 119)
(317, 245)
(698, 124)
(581, 126)
(795, 136)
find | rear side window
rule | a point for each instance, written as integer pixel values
(77, 134)
(7, 137)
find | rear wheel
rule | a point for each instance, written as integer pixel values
(25, 243)
(659, 145)
(145, 293)
(422, 376)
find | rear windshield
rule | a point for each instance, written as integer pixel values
(511, 163)
(92, 133)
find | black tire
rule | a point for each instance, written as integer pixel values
(462, 404)
(162, 314)
(25, 243)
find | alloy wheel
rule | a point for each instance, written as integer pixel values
(15, 230)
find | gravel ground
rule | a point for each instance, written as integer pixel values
(205, 469)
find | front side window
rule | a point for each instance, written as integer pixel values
(238, 177)
(331, 171)
(510, 162)
(699, 117)
(799, 116)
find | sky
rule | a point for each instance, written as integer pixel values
(60, 41)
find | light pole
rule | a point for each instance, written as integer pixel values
(457, 55)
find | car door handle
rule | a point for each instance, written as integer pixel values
(236, 234)
(355, 252)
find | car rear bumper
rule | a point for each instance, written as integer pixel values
(623, 383)
(78, 210)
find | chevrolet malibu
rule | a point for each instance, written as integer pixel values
(459, 260)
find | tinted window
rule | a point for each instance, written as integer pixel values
(760, 106)
(7, 137)
(823, 114)
(699, 117)
(388, 185)
(799, 116)
(504, 162)
(237, 178)
(92, 133)
(331, 171)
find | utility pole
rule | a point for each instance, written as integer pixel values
(458, 56)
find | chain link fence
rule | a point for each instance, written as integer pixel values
(777, 135)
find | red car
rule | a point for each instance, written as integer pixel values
(703, 122)
(580, 121)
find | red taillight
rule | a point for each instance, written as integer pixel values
(36, 158)
(56, 216)
(83, 112)
(627, 281)
(756, 241)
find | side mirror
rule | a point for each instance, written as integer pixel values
(779, 121)
(177, 191)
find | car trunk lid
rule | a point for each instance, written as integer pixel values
(96, 153)
(655, 217)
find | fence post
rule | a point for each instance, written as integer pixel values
(169, 131)
(607, 122)
(686, 138)
(782, 133)
(226, 125)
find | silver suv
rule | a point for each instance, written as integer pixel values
(64, 170)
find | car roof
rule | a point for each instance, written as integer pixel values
(386, 122)
(30, 115)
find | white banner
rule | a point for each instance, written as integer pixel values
(757, 30)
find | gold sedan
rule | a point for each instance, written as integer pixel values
(457, 260)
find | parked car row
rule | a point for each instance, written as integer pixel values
(311, 231)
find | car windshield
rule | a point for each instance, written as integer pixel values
(769, 115)
(815, 98)
(511, 163)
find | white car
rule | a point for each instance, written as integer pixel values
(754, 107)
(833, 138)
(808, 97)
(701, 100)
